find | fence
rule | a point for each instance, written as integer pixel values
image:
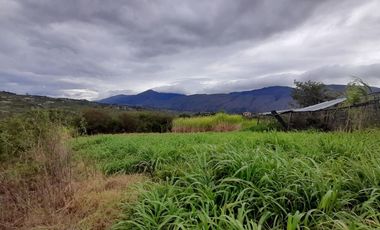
(348, 118)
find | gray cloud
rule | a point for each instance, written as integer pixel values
(91, 49)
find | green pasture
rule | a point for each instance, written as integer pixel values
(245, 180)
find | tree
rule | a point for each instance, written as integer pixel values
(310, 93)
(129, 122)
(357, 91)
(97, 121)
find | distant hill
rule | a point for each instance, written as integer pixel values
(265, 99)
(11, 103)
(259, 100)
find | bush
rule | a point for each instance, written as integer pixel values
(129, 122)
(36, 169)
(103, 121)
(20, 133)
(97, 121)
(357, 91)
(154, 122)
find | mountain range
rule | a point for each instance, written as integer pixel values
(258, 100)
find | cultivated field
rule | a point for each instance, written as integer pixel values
(245, 180)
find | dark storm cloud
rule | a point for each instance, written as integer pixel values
(161, 27)
(93, 48)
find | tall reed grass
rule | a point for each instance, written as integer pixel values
(220, 123)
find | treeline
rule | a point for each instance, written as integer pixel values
(20, 132)
(101, 121)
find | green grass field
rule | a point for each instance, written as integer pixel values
(245, 180)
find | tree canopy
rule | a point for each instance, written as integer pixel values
(310, 93)
(357, 91)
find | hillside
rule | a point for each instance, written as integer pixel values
(11, 103)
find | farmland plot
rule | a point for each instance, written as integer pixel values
(245, 180)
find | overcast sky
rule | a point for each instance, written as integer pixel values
(95, 48)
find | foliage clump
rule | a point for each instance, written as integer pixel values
(357, 91)
(217, 122)
(20, 133)
(310, 93)
(103, 121)
(35, 166)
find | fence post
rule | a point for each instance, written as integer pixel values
(279, 119)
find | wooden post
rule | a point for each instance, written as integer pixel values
(279, 119)
(289, 120)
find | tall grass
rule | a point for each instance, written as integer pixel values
(245, 180)
(219, 122)
(42, 186)
(35, 171)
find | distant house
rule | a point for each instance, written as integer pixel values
(247, 114)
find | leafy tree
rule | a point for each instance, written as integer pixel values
(103, 121)
(310, 93)
(129, 122)
(357, 91)
(97, 121)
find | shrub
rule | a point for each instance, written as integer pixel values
(97, 121)
(104, 121)
(20, 133)
(35, 165)
(357, 91)
(154, 122)
(129, 122)
(40, 186)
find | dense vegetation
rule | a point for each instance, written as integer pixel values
(245, 180)
(357, 91)
(43, 186)
(19, 134)
(34, 166)
(217, 122)
(101, 121)
(222, 122)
